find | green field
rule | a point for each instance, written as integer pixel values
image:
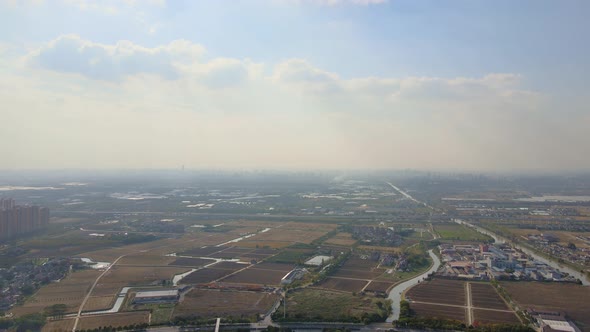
(459, 233)
(322, 305)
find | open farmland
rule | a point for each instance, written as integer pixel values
(438, 311)
(59, 325)
(438, 291)
(325, 305)
(378, 286)
(213, 273)
(485, 296)
(458, 232)
(191, 262)
(114, 320)
(341, 284)
(569, 298)
(145, 260)
(256, 276)
(213, 303)
(494, 317)
(341, 239)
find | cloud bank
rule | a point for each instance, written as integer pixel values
(95, 105)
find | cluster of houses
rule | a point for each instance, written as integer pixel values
(25, 278)
(549, 243)
(485, 262)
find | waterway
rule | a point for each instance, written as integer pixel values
(537, 257)
(395, 295)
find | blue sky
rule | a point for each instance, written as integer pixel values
(485, 80)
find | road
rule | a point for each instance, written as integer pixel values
(469, 306)
(90, 292)
(408, 196)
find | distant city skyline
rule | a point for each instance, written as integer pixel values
(295, 84)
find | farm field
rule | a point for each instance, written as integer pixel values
(494, 317)
(325, 305)
(345, 285)
(146, 260)
(569, 298)
(114, 320)
(256, 276)
(213, 303)
(485, 296)
(438, 291)
(58, 325)
(438, 311)
(341, 239)
(206, 275)
(190, 262)
(458, 232)
(378, 286)
(99, 303)
(140, 276)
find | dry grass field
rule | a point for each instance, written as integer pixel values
(341, 239)
(570, 298)
(212, 303)
(59, 325)
(99, 303)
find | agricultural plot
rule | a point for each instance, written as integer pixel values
(145, 260)
(569, 298)
(341, 239)
(212, 303)
(378, 286)
(58, 325)
(494, 317)
(485, 296)
(190, 262)
(438, 291)
(459, 233)
(325, 305)
(207, 275)
(140, 276)
(345, 285)
(357, 274)
(99, 303)
(200, 252)
(438, 311)
(256, 276)
(114, 320)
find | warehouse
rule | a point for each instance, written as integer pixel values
(160, 296)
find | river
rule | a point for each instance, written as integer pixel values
(552, 263)
(395, 295)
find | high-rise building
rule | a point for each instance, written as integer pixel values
(20, 219)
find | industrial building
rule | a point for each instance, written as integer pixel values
(158, 296)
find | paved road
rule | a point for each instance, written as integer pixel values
(469, 307)
(90, 292)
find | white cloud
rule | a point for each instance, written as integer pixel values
(71, 54)
(133, 106)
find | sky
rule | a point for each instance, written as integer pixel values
(295, 84)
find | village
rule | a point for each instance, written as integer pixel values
(500, 262)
